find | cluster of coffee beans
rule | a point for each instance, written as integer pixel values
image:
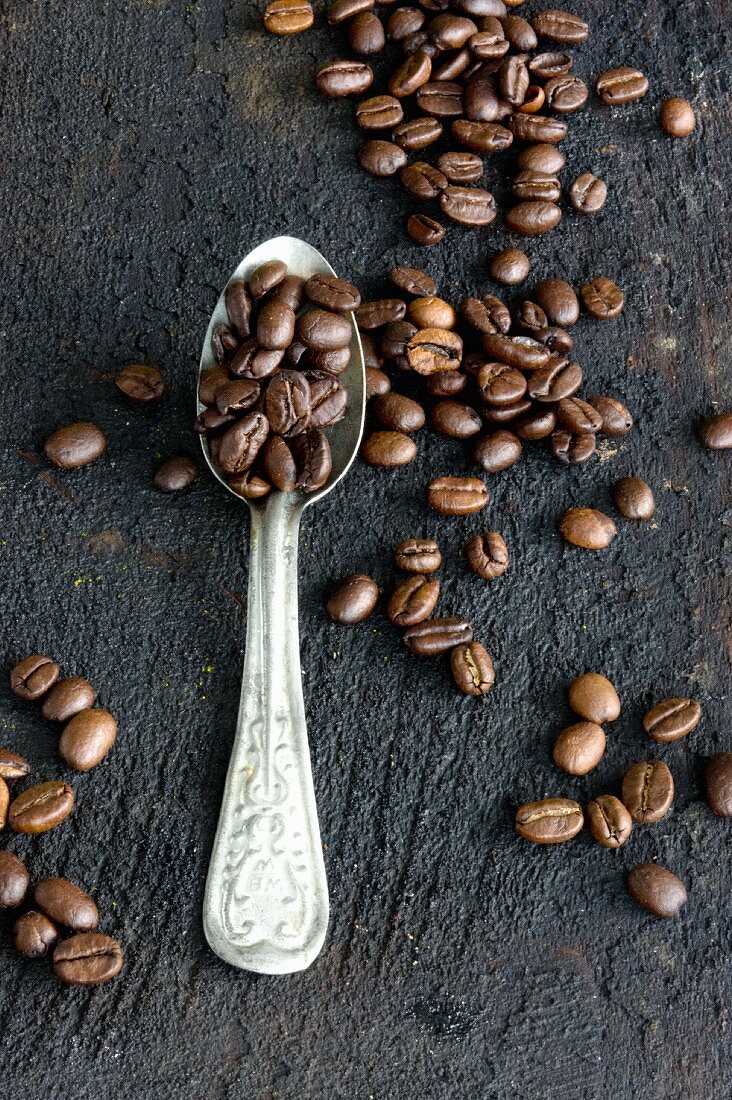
(87, 957)
(591, 529)
(276, 385)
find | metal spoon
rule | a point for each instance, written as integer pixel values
(266, 902)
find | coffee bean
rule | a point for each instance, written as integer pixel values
(210, 382)
(425, 230)
(141, 383)
(380, 112)
(403, 22)
(536, 186)
(513, 80)
(718, 783)
(34, 934)
(287, 404)
(579, 748)
(366, 34)
(560, 26)
(572, 448)
(400, 413)
(671, 719)
(239, 308)
(616, 420)
(211, 421)
(588, 193)
(14, 880)
(418, 133)
(451, 32)
(41, 807)
(487, 314)
(376, 382)
(434, 349)
(487, 555)
(531, 317)
(557, 339)
(521, 352)
(67, 698)
(313, 460)
(388, 449)
(411, 280)
(328, 399)
(241, 443)
(609, 821)
(455, 420)
(457, 496)
(413, 600)
(423, 180)
(87, 739)
(329, 292)
(288, 16)
(677, 117)
(481, 137)
(453, 64)
(548, 65)
(436, 636)
(519, 33)
(75, 445)
(511, 266)
(176, 474)
(588, 528)
(648, 791)
(342, 78)
(619, 86)
(394, 339)
(461, 168)
(550, 821)
(538, 128)
(602, 298)
(431, 312)
(224, 343)
(472, 669)
(537, 423)
(66, 904)
(4, 803)
(266, 277)
(541, 158)
(497, 451)
(534, 100)
(559, 301)
(471, 206)
(441, 98)
(499, 384)
(594, 698)
(321, 330)
(418, 556)
(279, 464)
(533, 218)
(13, 765)
(33, 676)
(554, 382)
(634, 498)
(481, 102)
(578, 416)
(381, 158)
(715, 433)
(506, 414)
(89, 958)
(413, 72)
(384, 311)
(249, 485)
(656, 889)
(352, 599)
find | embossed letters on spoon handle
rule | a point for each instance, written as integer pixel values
(266, 903)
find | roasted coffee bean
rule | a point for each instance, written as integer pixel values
(487, 314)
(578, 416)
(425, 230)
(511, 266)
(420, 40)
(253, 361)
(287, 403)
(67, 698)
(506, 414)
(715, 433)
(66, 904)
(541, 158)
(537, 128)
(210, 382)
(451, 32)
(434, 349)
(472, 669)
(472, 206)
(536, 186)
(13, 765)
(533, 218)
(423, 180)
(461, 168)
(329, 292)
(376, 382)
(279, 464)
(87, 739)
(513, 80)
(291, 291)
(75, 445)
(141, 383)
(237, 396)
(333, 362)
(572, 448)
(176, 474)
(487, 555)
(313, 459)
(560, 26)
(418, 556)
(41, 807)
(534, 100)
(4, 803)
(342, 78)
(453, 64)
(531, 317)
(519, 33)
(556, 339)
(353, 599)
(224, 343)
(380, 112)
(602, 298)
(537, 423)
(587, 528)
(321, 330)
(648, 791)
(241, 443)
(211, 420)
(619, 86)
(499, 384)
(89, 958)
(14, 880)
(288, 16)
(481, 137)
(717, 784)
(579, 748)
(497, 451)
(441, 99)
(616, 420)
(33, 676)
(457, 496)
(436, 636)
(455, 420)
(634, 498)
(403, 22)
(248, 485)
(431, 312)
(34, 934)
(413, 600)
(550, 821)
(381, 158)
(266, 277)
(411, 280)
(413, 72)
(239, 308)
(366, 34)
(588, 193)
(417, 134)
(481, 104)
(516, 351)
(446, 383)
(656, 889)
(677, 117)
(559, 301)
(609, 821)
(388, 449)
(328, 399)
(557, 380)
(375, 314)
(394, 339)
(551, 64)
(594, 698)
(672, 719)
(400, 413)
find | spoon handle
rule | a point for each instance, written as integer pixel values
(266, 903)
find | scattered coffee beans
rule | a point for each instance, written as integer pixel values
(413, 600)
(487, 555)
(594, 698)
(602, 298)
(66, 904)
(551, 821)
(75, 445)
(435, 636)
(288, 16)
(671, 719)
(510, 267)
(87, 739)
(353, 599)
(718, 783)
(418, 556)
(14, 880)
(609, 821)
(648, 791)
(472, 668)
(67, 698)
(579, 748)
(656, 889)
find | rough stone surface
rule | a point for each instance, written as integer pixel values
(146, 146)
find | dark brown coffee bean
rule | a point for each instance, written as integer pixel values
(253, 361)
(619, 86)
(717, 784)
(241, 443)
(587, 528)
(516, 351)
(513, 80)
(341, 10)
(388, 449)
(66, 904)
(413, 72)
(715, 433)
(41, 807)
(413, 600)
(248, 485)
(457, 496)
(588, 193)
(616, 420)
(559, 301)
(418, 556)
(75, 445)
(487, 555)
(448, 383)
(557, 380)
(89, 958)
(224, 342)
(550, 821)
(441, 99)
(497, 451)
(34, 934)
(332, 362)
(677, 117)
(594, 698)
(366, 34)
(511, 266)
(210, 382)
(239, 308)
(400, 413)
(548, 65)
(13, 765)
(499, 384)
(436, 636)
(394, 339)
(656, 889)
(609, 821)
(67, 698)
(578, 416)
(141, 383)
(572, 448)
(342, 78)
(472, 669)
(481, 137)
(176, 474)
(519, 33)
(423, 180)
(602, 298)
(487, 315)
(537, 128)
(560, 26)
(87, 739)
(375, 314)
(538, 423)
(455, 420)
(33, 676)
(381, 112)
(313, 459)
(403, 22)
(431, 312)
(411, 280)
(451, 32)
(237, 396)
(266, 277)
(328, 399)
(418, 133)
(211, 421)
(353, 599)
(329, 292)
(556, 339)
(531, 317)
(381, 158)
(279, 464)
(648, 791)
(529, 186)
(471, 206)
(461, 168)
(481, 104)
(451, 65)
(425, 230)
(579, 748)
(14, 880)
(533, 218)
(287, 403)
(634, 498)
(321, 330)
(291, 291)
(434, 349)
(541, 158)
(376, 382)
(282, 17)
(672, 719)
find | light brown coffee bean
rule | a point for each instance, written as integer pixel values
(12, 765)
(609, 821)
(352, 599)
(550, 821)
(648, 791)
(342, 78)
(434, 349)
(418, 556)
(457, 496)
(510, 267)
(677, 117)
(715, 433)
(588, 193)
(4, 803)
(533, 218)
(656, 889)
(671, 719)
(87, 738)
(487, 555)
(32, 677)
(619, 86)
(454, 419)
(594, 698)
(413, 600)
(89, 958)
(67, 698)
(602, 298)
(579, 748)
(429, 311)
(587, 528)
(634, 498)
(282, 17)
(388, 449)
(66, 904)
(34, 934)
(41, 807)
(472, 669)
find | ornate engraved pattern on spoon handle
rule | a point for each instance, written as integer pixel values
(266, 906)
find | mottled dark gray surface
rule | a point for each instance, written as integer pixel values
(145, 147)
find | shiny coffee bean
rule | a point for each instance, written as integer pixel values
(413, 72)
(252, 361)
(34, 934)
(13, 765)
(381, 158)
(241, 443)
(499, 384)
(417, 133)
(461, 168)
(434, 349)
(224, 342)
(451, 65)
(550, 821)
(656, 889)
(329, 292)
(436, 636)
(211, 422)
(558, 340)
(381, 112)
(342, 78)
(14, 880)
(66, 904)
(384, 311)
(321, 330)
(565, 94)
(32, 677)
(481, 137)
(560, 26)
(413, 600)
(431, 312)
(594, 698)
(141, 383)
(513, 80)
(588, 193)
(497, 451)
(365, 33)
(425, 230)
(481, 104)
(457, 496)
(677, 117)
(353, 599)
(579, 748)
(423, 180)
(328, 399)
(519, 33)
(394, 339)
(411, 280)
(487, 555)
(557, 380)
(587, 528)
(287, 404)
(541, 158)
(531, 186)
(441, 98)
(510, 267)
(388, 449)
(210, 383)
(313, 459)
(278, 463)
(470, 206)
(648, 791)
(578, 416)
(403, 22)
(671, 719)
(89, 958)
(401, 414)
(537, 129)
(531, 317)
(616, 420)
(376, 382)
(75, 445)
(715, 433)
(572, 448)
(522, 352)
(239, 308)
(418, 556)
(486, 315)
(533, 218)
(472, 669)
(538, 423)
(266, 277)
(619, 86)
(67, 698)
(602, 298)
(551, 64)
(559, 301)
(609, 821)
(87, 739)
(41, 807)
(634, 498)
(507, 414)
(248, 485)
(282, 17)
(718, 783)
(176, 474)
(455, 420)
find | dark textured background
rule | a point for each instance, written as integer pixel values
(144, 148)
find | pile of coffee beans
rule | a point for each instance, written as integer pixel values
(275, 388)
(88, 957)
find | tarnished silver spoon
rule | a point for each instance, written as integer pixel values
(266, 902)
